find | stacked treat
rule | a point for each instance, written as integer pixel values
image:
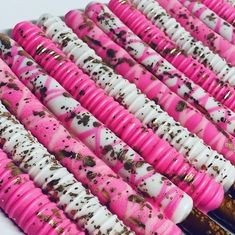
(124, 116)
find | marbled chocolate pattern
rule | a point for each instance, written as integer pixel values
(85, 126)
(211, 19)
(86, 29)
(223, 8)
(199, 30)
(30, 209)
(128, 95)
(52, 177)
(175, 80)
(155, 38)
(185, 41)
(115, 117)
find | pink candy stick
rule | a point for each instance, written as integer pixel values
(199, 30)
(164, 71)
(185, 41)
(30, 209)
(110, 189)
(116, 118)
(147, 111)
(211, 19)
(223, 8)
(152, 35)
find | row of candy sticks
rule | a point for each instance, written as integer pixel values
(134, 134)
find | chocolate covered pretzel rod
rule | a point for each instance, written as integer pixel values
(47, 173)
(86, 167)
(95, 61)
(81, 87)
(115, 152)
(185, 41)
(211, 19)
(199, 30)
(144, 109)
(155, 38)
(110, 189)
(30, 209)
(55, 179)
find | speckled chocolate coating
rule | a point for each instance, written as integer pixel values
(155, 38)
(211, 19)
(123, 91)
(115, 116)
(232, 2)
(52, 177)
(86, 167)
(30, 209)
(199, 30)
(142, 78)
(55, 62)
(110, 189)
(223, 8)
(185, 41)
(49, 59)
(160, 67)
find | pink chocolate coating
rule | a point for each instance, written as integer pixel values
(222, 8)
(199, 30)
(147, 111)
(123, 63)
(79, 204)
(86, 167)
(158, 15)
(211, 19)
(164, 71)
(232, 2)
(155, 38)
(118, 119)
(31, 210)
